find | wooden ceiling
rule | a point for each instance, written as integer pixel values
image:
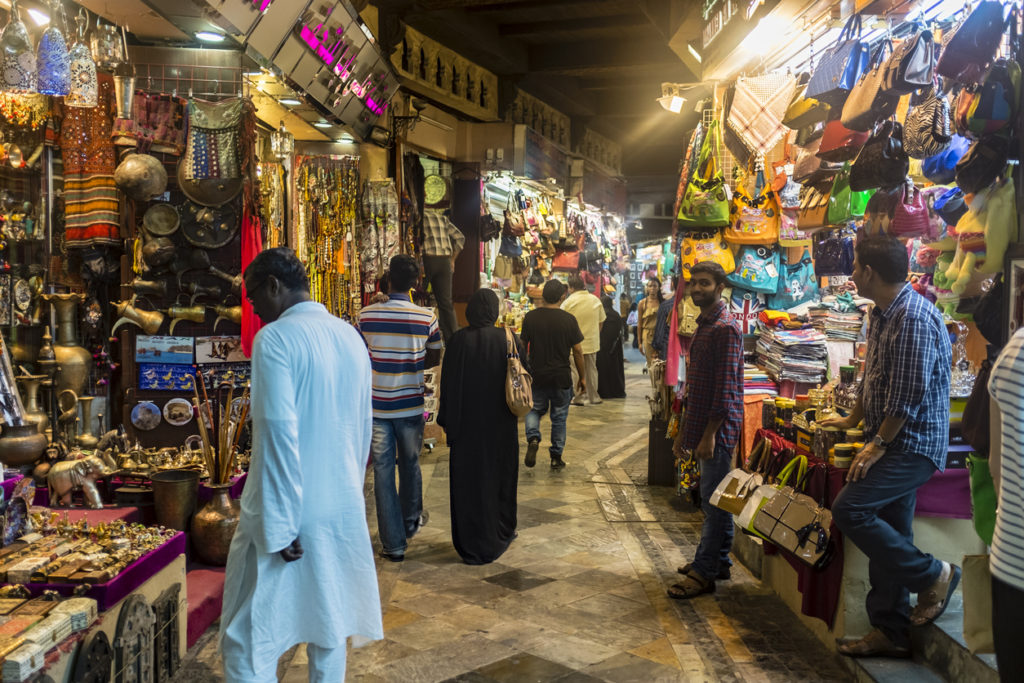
(601, 62)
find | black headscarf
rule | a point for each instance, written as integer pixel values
(482, 309)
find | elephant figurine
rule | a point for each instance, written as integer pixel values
(67, 475)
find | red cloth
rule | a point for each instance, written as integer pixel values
(252, 244)
(946, 494)
(820, 588)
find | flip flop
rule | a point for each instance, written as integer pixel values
(929, 606)
(691, 586)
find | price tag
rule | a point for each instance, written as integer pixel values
(771, 270)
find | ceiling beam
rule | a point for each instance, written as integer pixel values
(534, 28)
(601, 55)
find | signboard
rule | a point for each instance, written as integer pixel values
(718, 20)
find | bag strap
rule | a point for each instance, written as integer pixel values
(510, 344)
(852, 24)
(799, 464)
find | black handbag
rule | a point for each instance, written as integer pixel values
(911, 65)
(928, 129)
(882, 163)
(489, 228)
(868, 103)
(984, 162)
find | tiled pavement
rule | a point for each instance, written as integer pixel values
(580, 595)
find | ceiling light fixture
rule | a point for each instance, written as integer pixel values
(672, 99)
(323, 124)
(290, 102)
(210, 36)
(347, 138)
(40, 17)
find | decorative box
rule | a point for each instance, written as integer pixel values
(23, 662)
(82, 611)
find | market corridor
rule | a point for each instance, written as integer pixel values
(580, 595)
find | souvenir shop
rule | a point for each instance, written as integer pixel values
(898, 125)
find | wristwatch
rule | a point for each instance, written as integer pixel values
(879, 441)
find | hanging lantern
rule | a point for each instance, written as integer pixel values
(107, 47)
(282, 143)
(19, 58)
(84, 90)
(52, 60)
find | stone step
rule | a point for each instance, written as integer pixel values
(942, 646)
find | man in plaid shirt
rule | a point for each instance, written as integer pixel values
(904, 402)
(711, 424)
(442, 242)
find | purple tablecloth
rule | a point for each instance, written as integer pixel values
(946, 494)
(206, 493)
(137, 573)
(9, 484)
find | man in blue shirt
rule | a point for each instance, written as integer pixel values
(904, 402)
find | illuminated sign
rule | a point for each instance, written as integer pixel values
(718, 20)
(339, 55)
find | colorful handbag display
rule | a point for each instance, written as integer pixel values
(765, 492)
(841, 66)
(754, 220)
(757, 269)
(868, 102)
(708, 246)
(839, 143)
(735, 489)
(704, 203)
(882, 161)
(795, 522)
(973, 44)
(797, 284)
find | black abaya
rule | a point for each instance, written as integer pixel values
(611, 375)
(483, 435)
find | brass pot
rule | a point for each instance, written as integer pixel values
(174, 497)
(21, 444)
(214, 526)
(74, 361)
(34, 413)
(86, 439)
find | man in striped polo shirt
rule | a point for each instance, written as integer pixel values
(403, 340)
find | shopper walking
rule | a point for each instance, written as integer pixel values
(611, 373)
(301, 568)
(442, 243)
(1007, 555)
(647, 318)
(590, 315)
(710, 430)
(905, 406)
(482, 434)
(551, 335)
(403, 340)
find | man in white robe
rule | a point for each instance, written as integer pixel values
(301, 566)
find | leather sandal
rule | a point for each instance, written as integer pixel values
(724, 574)
(874, 644)
(933, 602)
(692, 585)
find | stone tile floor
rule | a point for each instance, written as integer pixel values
(580, 595)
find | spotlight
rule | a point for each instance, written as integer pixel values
(210, 37)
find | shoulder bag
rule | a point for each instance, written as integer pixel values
(839, 143)
(927, 130)
(797, 283)
(910, 218)
(814, 205)
(880, 211)
(983, 163)
(765, 492)
(796, 522)
(706, 246)
(940, 168)
(841, 66)
(754, 220)
(833, 253)
(911, 66)
(732, 492)
(972, 45)
(868, 102)
(882, 162)
(757, 269)
(518, 382)
(704, 203)
(515, 223)
(995, 102)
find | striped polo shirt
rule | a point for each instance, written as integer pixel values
(398, 334)
(1006, 385)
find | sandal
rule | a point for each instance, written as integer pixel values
(933, 602)
(724, 574)
(691, 586)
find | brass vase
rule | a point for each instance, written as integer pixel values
(214, 526)
(74, 360)
(34, 413)
(21, 445)
(86, 439)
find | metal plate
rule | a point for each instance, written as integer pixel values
(208, 227)
(161, 219)
(211, 192)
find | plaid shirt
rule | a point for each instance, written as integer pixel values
(440, 236)
(907, 375)
(714, 379)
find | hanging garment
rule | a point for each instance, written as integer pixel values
(213, 139)
(381, 234)
(758, 108)
(252, 244)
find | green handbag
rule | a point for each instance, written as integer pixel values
(843, 204)
(983, 497)
(859, 202)
(704, 203)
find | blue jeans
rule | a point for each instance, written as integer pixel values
(559, 400)
(397, 441)
(877, 514)
(712, 554)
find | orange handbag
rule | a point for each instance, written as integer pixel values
(754, 220)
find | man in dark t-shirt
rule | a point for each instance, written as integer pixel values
(550, 334)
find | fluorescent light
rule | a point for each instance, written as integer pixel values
(210, 37)
(290, 102)
(38, 16)
(346, 137)
(323, 124)
(693, 51)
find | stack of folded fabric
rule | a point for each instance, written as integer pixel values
(793, 355)
(757, 381)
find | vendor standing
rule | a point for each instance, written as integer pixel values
(905, 406)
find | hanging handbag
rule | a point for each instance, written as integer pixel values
(765, 492)
(796, 522)
(984, 161)
(882, 162)
(790, 235)
(489, 228)
(688, 315)
(566, 259)
(518, 382)
(840, 208)
(868, 103)
(797, 283)
(510, 246)
(841, 66)
(927, 130)
(973, 44)
(737, 486)
(839, 143)
(880, 211)
(809, 167)
(804, 111)
(833, 253)
(746, 307)
(941, 168)
(515, 223)
(950, 205)
(708, 246)
(994, 104)
(910, 218)
(754, 220)
(814, 205)
(704, 202)
(911, 66)
(757, 269)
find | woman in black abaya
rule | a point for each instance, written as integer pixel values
(611, 375)
(483, 434)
